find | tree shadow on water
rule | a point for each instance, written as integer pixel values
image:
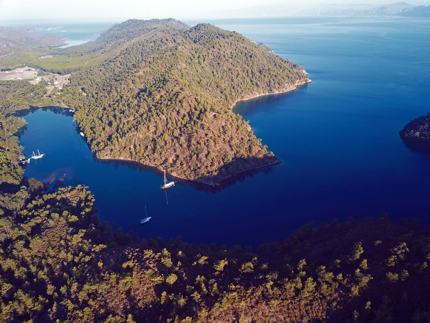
(234, 172)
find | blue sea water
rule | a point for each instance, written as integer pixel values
(337, 138)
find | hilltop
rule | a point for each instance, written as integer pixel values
(161, 93)
(123, 33)
(164, 98)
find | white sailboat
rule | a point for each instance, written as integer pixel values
(37, 156)
(166, 184)
(147, 218)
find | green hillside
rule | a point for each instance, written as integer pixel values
(161, 93)
(165, 99)
(58, 263)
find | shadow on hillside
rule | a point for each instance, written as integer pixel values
(236, 171)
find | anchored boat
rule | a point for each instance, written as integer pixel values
(166, 184)
(37, 156)
(145, 220)
(25, 161)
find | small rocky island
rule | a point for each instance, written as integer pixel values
(416, 134)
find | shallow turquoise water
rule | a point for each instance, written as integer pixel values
(337, 139)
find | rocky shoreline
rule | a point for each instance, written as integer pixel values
(246, 166)
(285, 90)
(416, 134)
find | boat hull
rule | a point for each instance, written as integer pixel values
(167, 186)
(145, 220)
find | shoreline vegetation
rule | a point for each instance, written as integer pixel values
(289, 88)
(229, 177)
(208, 184)
(168, 95)
(162, 94)
(58, 262)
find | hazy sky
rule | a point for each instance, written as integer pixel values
(185, 9)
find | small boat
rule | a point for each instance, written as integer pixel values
(37, 156)
(82, 134)
(145, 220)
(25, 161)
(166, 184)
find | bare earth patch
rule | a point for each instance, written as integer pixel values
(35, 76)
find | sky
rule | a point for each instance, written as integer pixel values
(104, 10)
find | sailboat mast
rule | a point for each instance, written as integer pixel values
(165, 178)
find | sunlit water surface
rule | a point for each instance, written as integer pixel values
(337, 139)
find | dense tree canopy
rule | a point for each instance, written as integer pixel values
(161, 93)
(165, 100)
(11, 172)
(58, 263)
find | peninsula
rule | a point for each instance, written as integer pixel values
(160, 93)
(165, 99)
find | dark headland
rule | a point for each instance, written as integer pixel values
(416, 134)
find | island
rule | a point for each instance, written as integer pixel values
(161, 94)
(416, 134)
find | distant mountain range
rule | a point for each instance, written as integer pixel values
(420, 11)
(402, 9)
(12, 40)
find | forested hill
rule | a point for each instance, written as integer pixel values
(164, 97)
(125, 32)
(57, 263)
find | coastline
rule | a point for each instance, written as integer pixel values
(218, 181)
(214, 182)
(416, 134)
(238, 175)
(289, 88)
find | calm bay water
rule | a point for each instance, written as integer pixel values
(337, 139)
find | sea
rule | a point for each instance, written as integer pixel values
(337, 139)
